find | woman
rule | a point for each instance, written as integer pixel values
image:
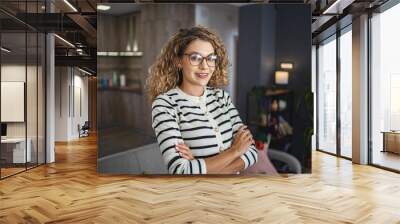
(198, 129)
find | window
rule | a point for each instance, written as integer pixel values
(346, 93)
(22, 74)
(327, 96)
(385, 85)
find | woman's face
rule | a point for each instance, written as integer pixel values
(198, 63)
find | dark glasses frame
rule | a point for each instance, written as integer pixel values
(202, 59)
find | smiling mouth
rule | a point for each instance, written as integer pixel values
(201, 75)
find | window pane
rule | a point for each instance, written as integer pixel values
(385, 88)
(327, 97)
(14, 151)
(345, 94)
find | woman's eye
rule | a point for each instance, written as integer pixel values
(212, 58)
(196, 58)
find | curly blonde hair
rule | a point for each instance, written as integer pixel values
(164, 72)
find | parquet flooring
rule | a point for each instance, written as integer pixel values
(70, 191)
(9, 171)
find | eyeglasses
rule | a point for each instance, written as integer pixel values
(196, 59)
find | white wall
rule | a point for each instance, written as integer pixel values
(224, 20)
(70, 84)
(79, 117)
(61, 103)
(13, 72)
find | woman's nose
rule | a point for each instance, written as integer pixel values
(203, 64)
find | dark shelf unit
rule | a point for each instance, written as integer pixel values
(122, 89)
(265, 107)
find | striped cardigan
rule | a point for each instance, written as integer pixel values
(206, 124)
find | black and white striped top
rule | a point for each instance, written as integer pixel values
(206, 124)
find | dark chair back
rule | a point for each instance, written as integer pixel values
(86, 126)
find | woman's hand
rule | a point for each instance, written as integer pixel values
(184, 151)
(242, 140)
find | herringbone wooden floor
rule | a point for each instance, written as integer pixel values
(70, 191)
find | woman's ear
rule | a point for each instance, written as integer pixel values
(178, 63)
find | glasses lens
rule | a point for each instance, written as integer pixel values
(195, 59)
(212, 60)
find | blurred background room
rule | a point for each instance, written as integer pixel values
(268, 47)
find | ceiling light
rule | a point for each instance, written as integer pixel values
(65, 41)
(70, 5)
(337, 7)
(286, 65)
(86, 72)
(102, 7)
(124, 53)
(328, 10)
(5, 50)
(113, 53)
(132, 53)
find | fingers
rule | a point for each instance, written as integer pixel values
(186, 156)
(241, 130)
(243, 139)
(250, 139)
(184, 151)
(183, 146)
(245, 134)
(246, 138)
(249, 135)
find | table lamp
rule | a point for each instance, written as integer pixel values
(281, 77)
